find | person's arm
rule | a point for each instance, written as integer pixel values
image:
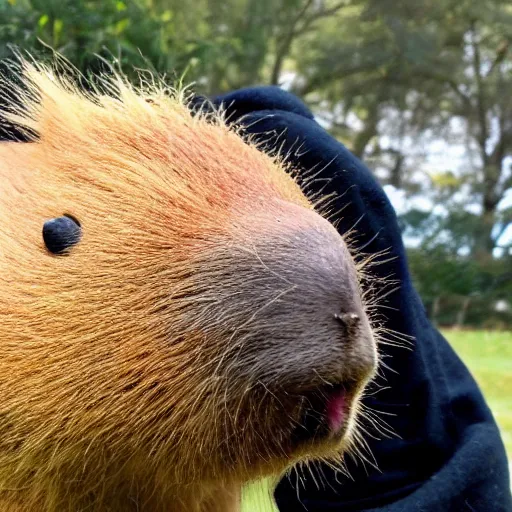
(446, 453)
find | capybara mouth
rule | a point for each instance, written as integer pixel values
(324, 414)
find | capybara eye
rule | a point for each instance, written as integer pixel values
(61, 233)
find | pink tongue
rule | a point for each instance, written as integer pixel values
(336, 411)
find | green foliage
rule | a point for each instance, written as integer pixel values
(422, 66)
(460, 290)
(488, 356)
(383, 75)
(145, 34)
(221, 45)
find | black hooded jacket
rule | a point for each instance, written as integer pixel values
(447, 454)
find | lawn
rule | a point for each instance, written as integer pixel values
(488, 355)
(257, 497)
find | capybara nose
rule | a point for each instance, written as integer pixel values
(307, 324)
(299, 329)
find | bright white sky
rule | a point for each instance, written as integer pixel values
(440, 155)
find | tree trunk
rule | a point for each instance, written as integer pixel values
(436, 307)
(369, 131)
(461, 315)
(484, 242)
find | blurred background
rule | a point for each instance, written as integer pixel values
(419, 89)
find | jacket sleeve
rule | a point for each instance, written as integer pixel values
(445, 452)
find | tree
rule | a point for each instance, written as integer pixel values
(389, 78)
(410, 69)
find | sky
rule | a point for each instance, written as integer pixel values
(441, 155)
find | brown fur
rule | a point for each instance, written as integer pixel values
(142, 370)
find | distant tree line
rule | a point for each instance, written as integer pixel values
(389, 78)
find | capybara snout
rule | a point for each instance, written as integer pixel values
(290, 308)
(292, 303)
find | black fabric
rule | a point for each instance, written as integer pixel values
(447, 454)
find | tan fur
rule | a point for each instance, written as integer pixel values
(108, 396)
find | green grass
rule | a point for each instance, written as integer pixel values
(257, 497)
(488, 355)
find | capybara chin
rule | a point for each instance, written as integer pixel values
(207, 328)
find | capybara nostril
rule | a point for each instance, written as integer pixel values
(349, 320)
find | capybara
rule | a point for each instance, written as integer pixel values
(206, 328)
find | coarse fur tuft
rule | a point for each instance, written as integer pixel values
(137, 370)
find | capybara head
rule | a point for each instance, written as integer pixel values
(207, 325)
